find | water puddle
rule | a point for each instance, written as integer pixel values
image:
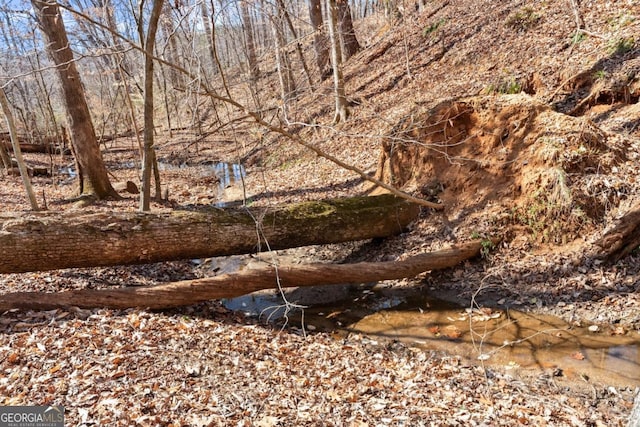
(510, 339)
(228, 175)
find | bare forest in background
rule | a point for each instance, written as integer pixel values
(202, 48)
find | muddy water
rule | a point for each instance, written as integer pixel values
(511, 339)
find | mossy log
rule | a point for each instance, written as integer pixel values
(246, 281)
(55, 240)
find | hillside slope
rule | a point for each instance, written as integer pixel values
(520, 126)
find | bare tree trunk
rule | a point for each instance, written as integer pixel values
(166, 24)
(342, 110)
(165, 97)
(171, 52)
(213, 49)
(156, 177)
(250, 280)
(350, 43)
(4, 156)
(285, 74)
(148, 158)
(206, 24)
(320, 41)
(132, 110)
(6, 109)
(254, 70)
(92, 173)
(122, 70)
(257, 18)
(292, 29)
(44, 97)
(213, 52)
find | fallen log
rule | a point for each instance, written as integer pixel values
(106, 138)
(31, 171)
(28, 147)
(53, 240)
(622, 239)
(189, 292)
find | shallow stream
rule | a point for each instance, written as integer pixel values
(228, 175)
(511, 339)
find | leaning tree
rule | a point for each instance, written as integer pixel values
(92, 173)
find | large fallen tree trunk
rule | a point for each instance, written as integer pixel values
(624, 238)
(54, 240)
(231, 285)
(50, 147)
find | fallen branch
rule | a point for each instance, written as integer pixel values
(576, 15)
(189, 292)
(622, 239)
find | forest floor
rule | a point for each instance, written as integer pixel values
(522, 129)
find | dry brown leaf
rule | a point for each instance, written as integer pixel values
(13, 358)
(452, 332)
(618, 330)
(577, 355)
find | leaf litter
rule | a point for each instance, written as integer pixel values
(139, 368)
(203, 365)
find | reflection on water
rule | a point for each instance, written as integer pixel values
(265, 306)
(623, 360)
(228, 173)
(512, 339)
(506, 338)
